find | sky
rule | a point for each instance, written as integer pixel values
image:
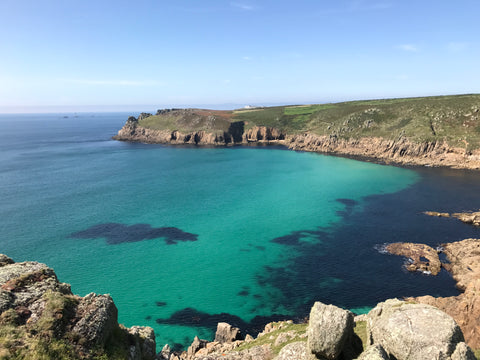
(147, 54)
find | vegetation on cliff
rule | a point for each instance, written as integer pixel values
(454, 119)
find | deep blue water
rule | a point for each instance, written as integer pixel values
(184, 237)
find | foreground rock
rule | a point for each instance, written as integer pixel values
(40, 318)
(330, 331)
(415, 331)
(395, 330)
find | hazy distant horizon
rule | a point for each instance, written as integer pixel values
(71, 109)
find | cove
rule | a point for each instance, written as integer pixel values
(184, 236)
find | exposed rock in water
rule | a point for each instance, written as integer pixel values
(436, 213)
(422, 257)
(41, 318)
(472, 218)
(415, 332)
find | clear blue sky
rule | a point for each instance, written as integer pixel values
(88, 54)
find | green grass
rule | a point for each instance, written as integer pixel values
(270, 338)
(453, 119)
(361, 331)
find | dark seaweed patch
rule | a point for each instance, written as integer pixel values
(295, 238)
(243, 293)
(195, 318)
(148, 317)
(120, 233)
(349, 205)
(160, 303)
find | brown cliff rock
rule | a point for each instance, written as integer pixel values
(400, 151)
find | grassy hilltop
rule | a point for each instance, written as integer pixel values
(454, 119)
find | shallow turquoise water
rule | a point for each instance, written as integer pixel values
(164, 229)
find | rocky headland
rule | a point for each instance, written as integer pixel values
(435, 131)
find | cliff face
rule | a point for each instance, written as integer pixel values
(400, 151)
(40, 318)
(236, 134)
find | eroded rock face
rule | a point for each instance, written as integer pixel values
(423, 257)
(399, 151)
(329, 330)
(413, 331)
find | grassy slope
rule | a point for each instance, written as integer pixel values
(455, 119)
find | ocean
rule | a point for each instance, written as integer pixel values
(183, 237)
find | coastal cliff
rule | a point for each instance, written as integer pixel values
(235, 134)
(434, 131)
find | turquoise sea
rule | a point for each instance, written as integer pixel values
(183, 237)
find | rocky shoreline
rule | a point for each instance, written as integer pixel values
(400, 151)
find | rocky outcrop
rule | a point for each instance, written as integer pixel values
(464, 257)
(471, 218)
(400, 151)
(464, 265)
(226, 333)
(414, 331)
(330, 331)
(420, 257)
(39, 315)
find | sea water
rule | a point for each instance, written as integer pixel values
(183, 237)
